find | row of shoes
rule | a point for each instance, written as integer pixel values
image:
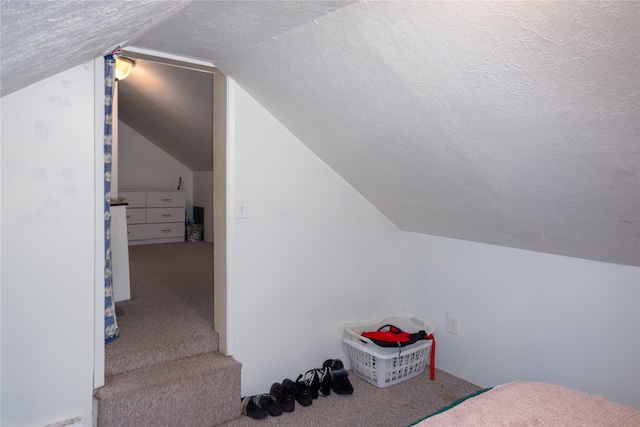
(282, 397)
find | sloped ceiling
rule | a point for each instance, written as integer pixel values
(42, 38)
(173, 107)
(509, 123)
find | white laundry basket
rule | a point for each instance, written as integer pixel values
(386, 366)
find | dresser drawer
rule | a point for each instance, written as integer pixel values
(155, 215)
(135, 199)
(158, 231)
(165, 199)
(135, 216)
(137, 232)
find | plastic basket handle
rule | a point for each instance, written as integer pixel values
(358, 338)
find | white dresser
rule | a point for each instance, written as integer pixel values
(154, 216)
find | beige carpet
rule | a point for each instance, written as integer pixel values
(170, 314)
(173, 281)
(369, 406)
(164, 370)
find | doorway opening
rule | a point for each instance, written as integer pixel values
(163, 75)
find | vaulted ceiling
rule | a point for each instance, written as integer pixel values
(172, 107)
(508, 123)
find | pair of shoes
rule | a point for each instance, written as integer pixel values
(340, 383)
(268, 402)
(301, 391)
(318, 380)
(284, 396)
(259, 406)
(251, 408)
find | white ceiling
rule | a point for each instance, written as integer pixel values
(509, 123)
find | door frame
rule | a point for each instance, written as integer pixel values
(223, 140)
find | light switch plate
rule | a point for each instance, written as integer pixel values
(242, 208)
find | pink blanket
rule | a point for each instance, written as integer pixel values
(525, 403)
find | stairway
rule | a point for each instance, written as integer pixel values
(165, 369)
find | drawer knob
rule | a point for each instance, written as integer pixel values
(166, 200)
(166, 231)
(167, 215)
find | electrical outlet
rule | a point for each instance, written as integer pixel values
(452, 324)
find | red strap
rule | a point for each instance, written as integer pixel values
(433, 356)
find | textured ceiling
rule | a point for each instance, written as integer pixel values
(42, 38)
(509, 123)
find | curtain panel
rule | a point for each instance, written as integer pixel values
(111, 327)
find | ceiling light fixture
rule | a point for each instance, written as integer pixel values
(123, 68)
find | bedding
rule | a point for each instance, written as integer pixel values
(525, 403)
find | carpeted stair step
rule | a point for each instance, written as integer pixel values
(196, 391)
(157, 330)
(170, 348)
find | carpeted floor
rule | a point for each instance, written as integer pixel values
(170, 314)
(174, 281)
(395, 406)
(165, 370)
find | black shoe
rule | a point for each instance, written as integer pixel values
(284, 397)
(325, 381)
(301, 391)
(251, 408)
(270, 403)
(340, 383)
(312, 380)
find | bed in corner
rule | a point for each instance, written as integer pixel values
(524, 403)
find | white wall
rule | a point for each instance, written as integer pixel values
(528, 315)
(48, 221)
(144, 166)
(312, 255)
(203, 197)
